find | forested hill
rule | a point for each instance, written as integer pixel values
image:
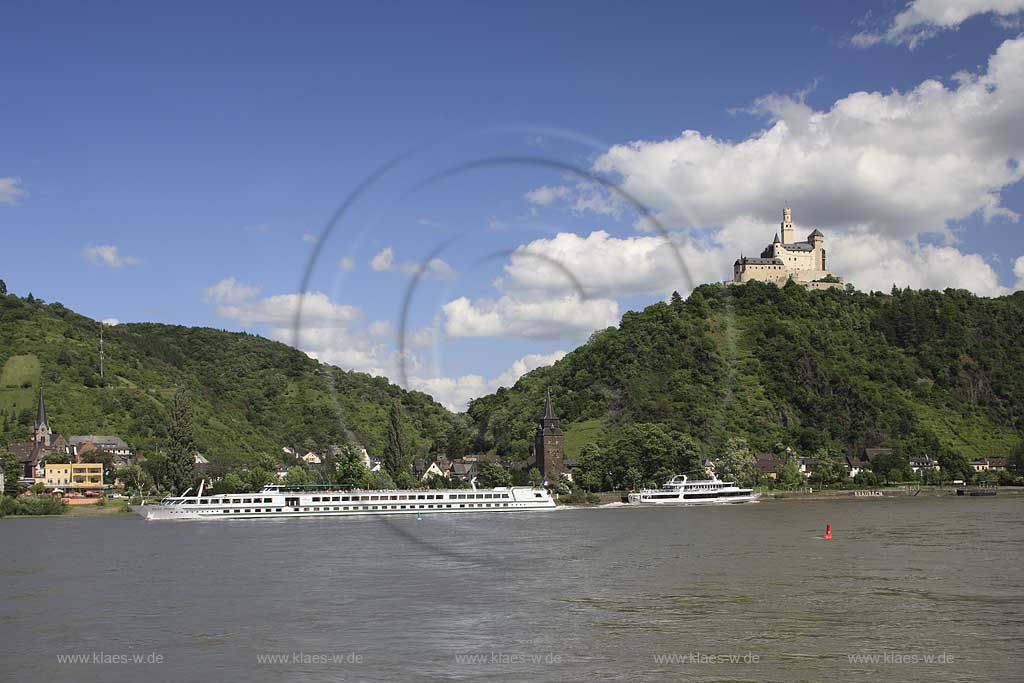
(923, 371)
(250, 396)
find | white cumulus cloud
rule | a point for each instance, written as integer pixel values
(384, 261)
(238, 302)
(874, 263)
(923, 19)
(607, 266)
(547, 194)
(452, 392)
(380, 328)
(898, 163)
(890, 167)
(1018, 270)
(108, 256)
(455, 392)
(562, 316)
(229, 291)
(524, 365)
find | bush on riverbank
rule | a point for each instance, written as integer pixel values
(578, 496)
(31, 505)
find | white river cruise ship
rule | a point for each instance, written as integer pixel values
(325, 501)
(680, 491)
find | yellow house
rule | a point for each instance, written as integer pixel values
(76, 475)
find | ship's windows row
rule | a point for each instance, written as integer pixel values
(345, 499)
(346, 508)
(399, 497)
(474, 496)
(235, 501)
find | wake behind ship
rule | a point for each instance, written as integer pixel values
(325, 501)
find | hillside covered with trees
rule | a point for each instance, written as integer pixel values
(730, 370)
(248, 396)
(759, 368)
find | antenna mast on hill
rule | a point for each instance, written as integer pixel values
(101, 353)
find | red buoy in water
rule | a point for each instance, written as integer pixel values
(828, 532)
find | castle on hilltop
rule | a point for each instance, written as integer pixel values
(786, 259)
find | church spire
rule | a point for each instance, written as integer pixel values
(42, 429)
(41, 410)
(549, 409)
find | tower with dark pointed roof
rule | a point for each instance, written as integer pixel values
(548, 445)
(42, 431)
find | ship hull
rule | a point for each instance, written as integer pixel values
(270, 504)
(736, 500)
(161, 512)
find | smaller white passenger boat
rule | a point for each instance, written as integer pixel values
(680, 491)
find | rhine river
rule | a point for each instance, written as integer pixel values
(911, 589)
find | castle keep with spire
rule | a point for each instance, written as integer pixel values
(548, 446)
(786, 259)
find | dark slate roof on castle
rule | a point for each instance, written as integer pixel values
(745, 260)
(799, 246)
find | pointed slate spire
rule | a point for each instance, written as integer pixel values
(42, 431)
(549, 409)
(776, 240)
(41, 411)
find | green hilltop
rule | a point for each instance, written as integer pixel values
(250, 396)
(923, 371)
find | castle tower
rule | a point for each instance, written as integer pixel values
(787, 226)
(818, 240)
(42, 432)
(548, 448)
(787, 229)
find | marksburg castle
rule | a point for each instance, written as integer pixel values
(787, 259)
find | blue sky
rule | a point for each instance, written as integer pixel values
(178, 163)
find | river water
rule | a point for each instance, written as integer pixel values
(909, 589)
